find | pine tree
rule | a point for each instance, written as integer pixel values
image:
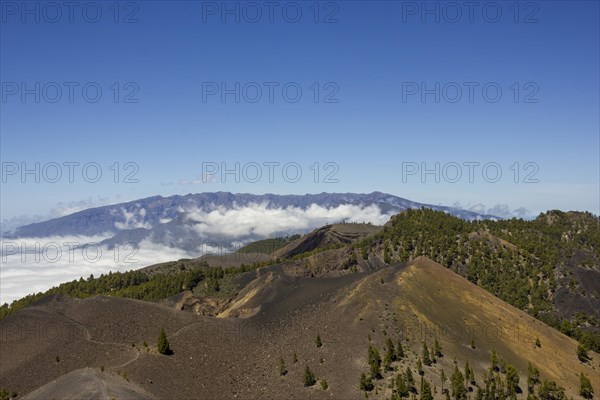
(410, 381)
(457, 380)
(551, 391)
(324, 384)
(163, 344)
(282, 369)
(390, 349)
(366, 383)
(295, 357)
(386, 257)
(390, 355)
(387, 362)
(318, 341)
(420, 367)
(426, 391)
(585, 387)
(443, 378)
(533, 377)
(399, 350)
(401, 386)
(494, 360)
(374, 362)
(492, 389)
(469, 374)
(426, 359)
(309, 377)
(582, 354)
(480, 394)
(512, 379)
(437, 349)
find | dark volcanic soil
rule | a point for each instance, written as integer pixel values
(225, 358)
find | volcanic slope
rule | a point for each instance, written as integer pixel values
(280, 316)
(329, 236)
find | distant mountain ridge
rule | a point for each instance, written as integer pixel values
(166, 220)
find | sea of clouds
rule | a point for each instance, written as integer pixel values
(259, 219)
(31, 265)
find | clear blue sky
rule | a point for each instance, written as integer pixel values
(367, 57)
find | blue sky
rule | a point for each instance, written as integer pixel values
(363, 57)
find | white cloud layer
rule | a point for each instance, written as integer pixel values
(36, 264)
(32, 265)
(258, 219)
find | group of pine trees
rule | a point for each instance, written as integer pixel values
(5, 394)
(308, 378)
(392, 353)
(500, 382)
(138, 284)
(522, 275)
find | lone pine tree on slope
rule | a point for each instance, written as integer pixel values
(163, 344)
